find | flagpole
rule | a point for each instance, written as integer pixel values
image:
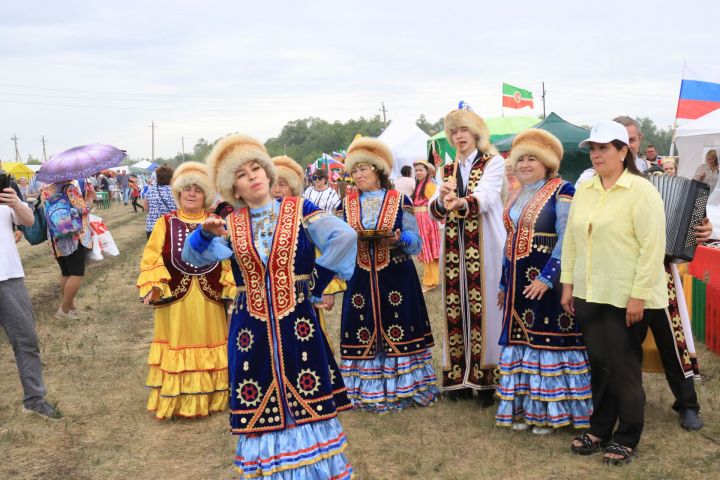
(677, 109)
(543, 99)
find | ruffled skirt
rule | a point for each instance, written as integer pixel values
(545, 388)
(313, 451)
(390, 383)
(430, 236)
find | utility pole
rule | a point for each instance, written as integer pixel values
(183, 147)
(384, 111)
(42, 139)
(17, 152)
(543, 99)
(152, 126)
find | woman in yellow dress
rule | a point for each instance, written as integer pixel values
(188, 355)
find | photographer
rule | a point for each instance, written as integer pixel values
(16, 314)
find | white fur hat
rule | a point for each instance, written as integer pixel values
(371, 151)
(542, 145)
(231, 153)
(290, 171)
(193, 173)
(473, 122)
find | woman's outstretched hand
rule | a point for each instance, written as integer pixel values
(216, 226)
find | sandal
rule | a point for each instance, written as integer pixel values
(588, 446)
(626, 454)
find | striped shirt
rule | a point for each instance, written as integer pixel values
(160, 201)
(327, 199)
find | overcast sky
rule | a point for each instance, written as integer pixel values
(81, 72)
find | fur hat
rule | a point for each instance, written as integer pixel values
(429, 166)
(542, 145)
(193, 173)
(289, 170)
(473, 122)
(231, 153)
(371, 151)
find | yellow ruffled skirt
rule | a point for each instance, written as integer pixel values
(188, 374)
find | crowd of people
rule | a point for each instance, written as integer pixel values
(549, 289)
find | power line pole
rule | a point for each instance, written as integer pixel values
(384, 112)
(152, 126)
(42, 139)
(17, 152)
(543, 99)
(183, 147)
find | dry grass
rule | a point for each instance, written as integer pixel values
(95, 368)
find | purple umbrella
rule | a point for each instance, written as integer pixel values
(80, 162)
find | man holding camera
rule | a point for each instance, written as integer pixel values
(16, 315)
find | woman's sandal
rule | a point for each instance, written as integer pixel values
(588, 446)
(626, 454)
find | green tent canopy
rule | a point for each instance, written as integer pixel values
(500, 128)
(575, 160)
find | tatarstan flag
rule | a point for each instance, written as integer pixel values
(514, 97)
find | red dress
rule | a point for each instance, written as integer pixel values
(427, 225)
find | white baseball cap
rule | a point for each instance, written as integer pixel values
(606, 132)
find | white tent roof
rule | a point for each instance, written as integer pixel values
(142, 165)
(406, 141)
(694, 139)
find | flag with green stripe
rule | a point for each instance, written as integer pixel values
(514, 97)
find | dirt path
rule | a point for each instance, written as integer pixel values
(95, 368)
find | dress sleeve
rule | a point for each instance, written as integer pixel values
(410, 237)
(488, 192)
(568, 249)
(227, 280)
(699, 173)
(551, 271)
(649, 225)
(152, 267)
(202, 248)
(334, 238)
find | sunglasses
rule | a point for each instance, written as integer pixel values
(317, 178)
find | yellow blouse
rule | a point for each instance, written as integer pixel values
(614, 243)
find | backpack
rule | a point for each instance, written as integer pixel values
(63, 220)
(37, 232)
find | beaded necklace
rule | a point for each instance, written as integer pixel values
(263, 225)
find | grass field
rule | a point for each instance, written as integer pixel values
(95, 368)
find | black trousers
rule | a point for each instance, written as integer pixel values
(615, 353)
(682, 388)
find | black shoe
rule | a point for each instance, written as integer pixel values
(44, 409)
(486, 398)
(459, 394)
(690, 420)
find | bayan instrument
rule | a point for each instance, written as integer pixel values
(685, 202)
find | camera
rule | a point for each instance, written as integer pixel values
(4, 181)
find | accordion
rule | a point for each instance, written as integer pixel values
(685, 202)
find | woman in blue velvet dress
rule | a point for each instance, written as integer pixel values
(285, 387)
(544, 369)
(385, 337)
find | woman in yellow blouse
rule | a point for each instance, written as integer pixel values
(613, 282)
(188, 355)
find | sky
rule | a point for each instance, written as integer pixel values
(79, 72)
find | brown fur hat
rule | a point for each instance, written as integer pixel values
(473, 122)
(231, 153)
(193, 173)
(290, 171)
(371, 151)
(542, 145)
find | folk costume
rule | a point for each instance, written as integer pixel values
(385, 336)
(473, 248)
(285, 387)
(544, 369)
(428, 228)
(187, 361)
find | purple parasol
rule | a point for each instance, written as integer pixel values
(80, 162)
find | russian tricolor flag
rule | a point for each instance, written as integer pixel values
(699, 91)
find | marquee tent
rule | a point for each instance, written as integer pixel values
(575, 160)
(18, 170)
(143, 166)
(406, 141)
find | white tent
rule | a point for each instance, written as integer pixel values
(406, 141)
(693, 140)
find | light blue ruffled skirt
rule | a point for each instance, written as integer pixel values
(313, 451)
(546, 388)
(390, 383)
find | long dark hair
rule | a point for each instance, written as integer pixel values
(629, 160)
(384, 179)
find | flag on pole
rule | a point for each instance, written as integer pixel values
(699, 91)
(514, 97)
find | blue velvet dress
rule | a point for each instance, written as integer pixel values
(385, 336)
(285, 386)
(544, 369)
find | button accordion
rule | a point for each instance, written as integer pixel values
(685, 202)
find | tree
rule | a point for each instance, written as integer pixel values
(430, 128)
(652, 135)
(32, 161)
